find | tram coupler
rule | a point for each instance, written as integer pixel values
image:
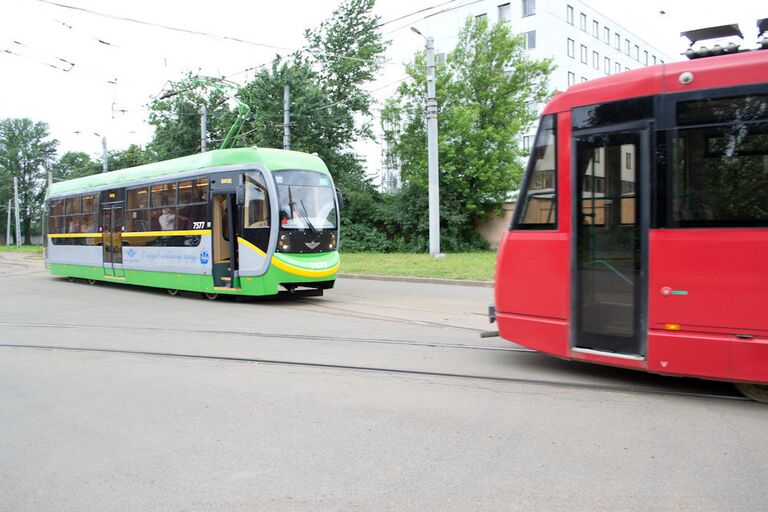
(489, 334)
(492, 313)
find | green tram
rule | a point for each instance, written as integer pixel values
(246, 221)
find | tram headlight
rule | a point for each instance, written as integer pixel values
(282, 243)
(332, 244)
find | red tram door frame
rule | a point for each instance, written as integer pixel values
(226, 192)
(112, 239)
(609, 240)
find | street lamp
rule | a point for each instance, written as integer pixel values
(434, 186)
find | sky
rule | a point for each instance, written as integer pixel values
(89, 75)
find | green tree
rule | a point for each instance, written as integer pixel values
(485, 92)
(130, 157)
(176, 118)
(26, 153)
(348, 51)
(74, 164)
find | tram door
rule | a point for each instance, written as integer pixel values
(224, 240)
(112, 239)
(611, 240)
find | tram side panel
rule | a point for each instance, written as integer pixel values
(533, 274)
(706, 292)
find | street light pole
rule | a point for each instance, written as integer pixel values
(432, 161)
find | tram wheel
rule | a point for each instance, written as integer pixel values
(172, 292)
(91, 282)
(757, 392)
(210, 296)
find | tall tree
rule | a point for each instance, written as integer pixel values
(485, 92)
(130, 157)
(26, 153)
(348, 51)
(74, 164)
(176, 117)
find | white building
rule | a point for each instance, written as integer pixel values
(583, 43)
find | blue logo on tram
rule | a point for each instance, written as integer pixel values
(204, 257)
(131, 252)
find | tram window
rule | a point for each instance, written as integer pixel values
(719, 174)
(163, 195)
(91, 203)
(73, 205)
(257, 209)
(193, 198)
(192, 192)
(137, 198)
(137, 220)
(56, 220)
(537, 207)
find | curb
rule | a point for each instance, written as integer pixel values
(423, 280)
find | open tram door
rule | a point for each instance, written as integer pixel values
(111, 226)
(611, 220)
(225, 230)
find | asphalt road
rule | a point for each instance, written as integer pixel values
(378, 396)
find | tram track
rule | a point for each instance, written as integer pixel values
(269, 335)
(383, 370)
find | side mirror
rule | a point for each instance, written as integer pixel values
(340, 198)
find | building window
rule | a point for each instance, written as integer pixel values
(654, 59)
(483, 16)
(569, 15)
(583, 22)
(661, 61)
(527, 143)
(607, 62)
(571, 78)
(529, 7)
(626, 46)
(618, 67)
(595, 60)
(617, 38)
(607, 35)
(645, 53)
(505, 12)
(637, 53)
(530, 40)
(583, 54)
(583, 79)
(571, 48)
(596, 29)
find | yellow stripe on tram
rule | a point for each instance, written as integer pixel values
(190, 232)
(136, 234)
(74, 235)
(291, 269)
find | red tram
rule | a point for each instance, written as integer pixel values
(640, 238)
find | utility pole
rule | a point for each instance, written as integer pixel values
(8, 225)
(287, 117)
(203, 130)
(104, 156)
(434, 185)
(16, 204)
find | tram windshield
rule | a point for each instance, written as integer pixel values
(306, 200)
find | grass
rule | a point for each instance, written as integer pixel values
(36, 249)
(475, 266)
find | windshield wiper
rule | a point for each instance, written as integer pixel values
(299, 207)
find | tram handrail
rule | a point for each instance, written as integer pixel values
(612, 269)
